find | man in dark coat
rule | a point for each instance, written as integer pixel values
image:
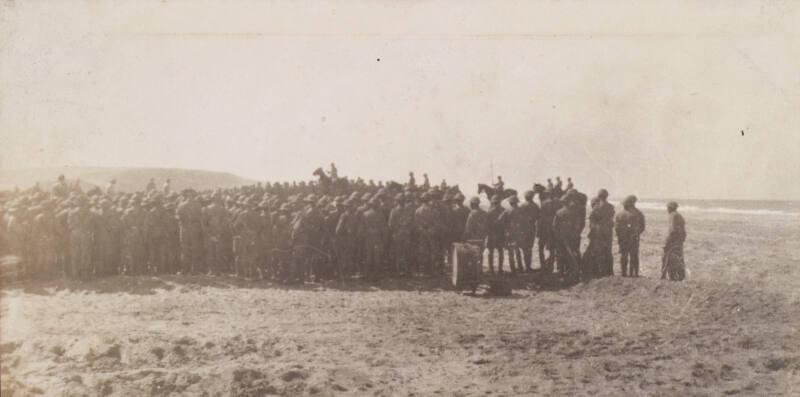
(496, 239)
(629, 225)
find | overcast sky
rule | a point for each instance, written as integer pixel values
(639, 99)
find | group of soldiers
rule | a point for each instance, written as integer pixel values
(301, 232)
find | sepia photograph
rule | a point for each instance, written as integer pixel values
(399, 198)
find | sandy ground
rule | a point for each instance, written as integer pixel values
(732, 329)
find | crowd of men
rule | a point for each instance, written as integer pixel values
(296, 232)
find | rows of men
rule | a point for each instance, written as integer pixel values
(289, 233)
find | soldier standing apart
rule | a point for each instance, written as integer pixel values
(601, 221)
(190, 215)
(630, 225)
(672, 264)
(496, 239)
(550, 206)
(530, 213)
(457, 221)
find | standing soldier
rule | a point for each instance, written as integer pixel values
(496, 239)
(81, 238)
(518, 232)
(412, 183)
(156, 236)
(107, 240)
(672, 264)
(282, 253)
(545, 229)
(477, 226)
(530, 212)
(629, 224)
(457, 221)
(151, 185)
(305, 233)
(401, 225)
(134, 254)
(43, 231)
(111, 188)
(566, 237)
(248, 225)
(190, 215)
(558, 191)
(167, 188)
(374, 230)
(215, 220)
(601, 221)
(173, 239)
(345, 239)
(425, 222)
(62, 239)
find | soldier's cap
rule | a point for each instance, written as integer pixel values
(475, 201)
(629, 200)
(672, 205)
(513, 199)
(603, 194)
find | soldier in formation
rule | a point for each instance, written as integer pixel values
(294, 232)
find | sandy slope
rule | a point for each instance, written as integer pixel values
(610, 337)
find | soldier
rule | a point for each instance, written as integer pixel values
(215, 220)
(334, 172)
(156, 236)
(566, 237)
(530, 212)
(477, 226)
(426, 225)
(43, 240)
(62, 239)
(545, 230)
(190, 215)
(496, 239)
(426, 184)
(173, 238)
(107, 240)
(375, 230)
(629, 225)
(517, 229)
(282, 252)
(248, 225)
(134, 253)
(166, 189)
(558, 191)
(457, 214)
(305, 239)
(111, 188)
(601, 221)
(345, 239)
(550, 186)
(61, 190)
(151, 185)
(81, 238)
(672, 264)
(570, 186)
(411, 181)
(266, 242)
(401, 225)
(499, 186)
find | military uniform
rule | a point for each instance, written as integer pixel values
(190, 216)
(401, 224)
(629, 225)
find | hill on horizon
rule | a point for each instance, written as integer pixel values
(128, 179)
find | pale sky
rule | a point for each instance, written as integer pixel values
(647, 99)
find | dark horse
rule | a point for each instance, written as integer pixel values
(490, 192)
(327, 185)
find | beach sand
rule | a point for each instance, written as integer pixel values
(730, 329)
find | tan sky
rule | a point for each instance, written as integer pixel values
(648, 99)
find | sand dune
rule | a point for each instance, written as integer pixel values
(128, 179)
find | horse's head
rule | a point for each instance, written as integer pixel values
(318, 172)
(538, 188)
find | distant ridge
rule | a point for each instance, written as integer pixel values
(128, 179)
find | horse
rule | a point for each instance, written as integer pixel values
(490, 192)
(328, 185)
